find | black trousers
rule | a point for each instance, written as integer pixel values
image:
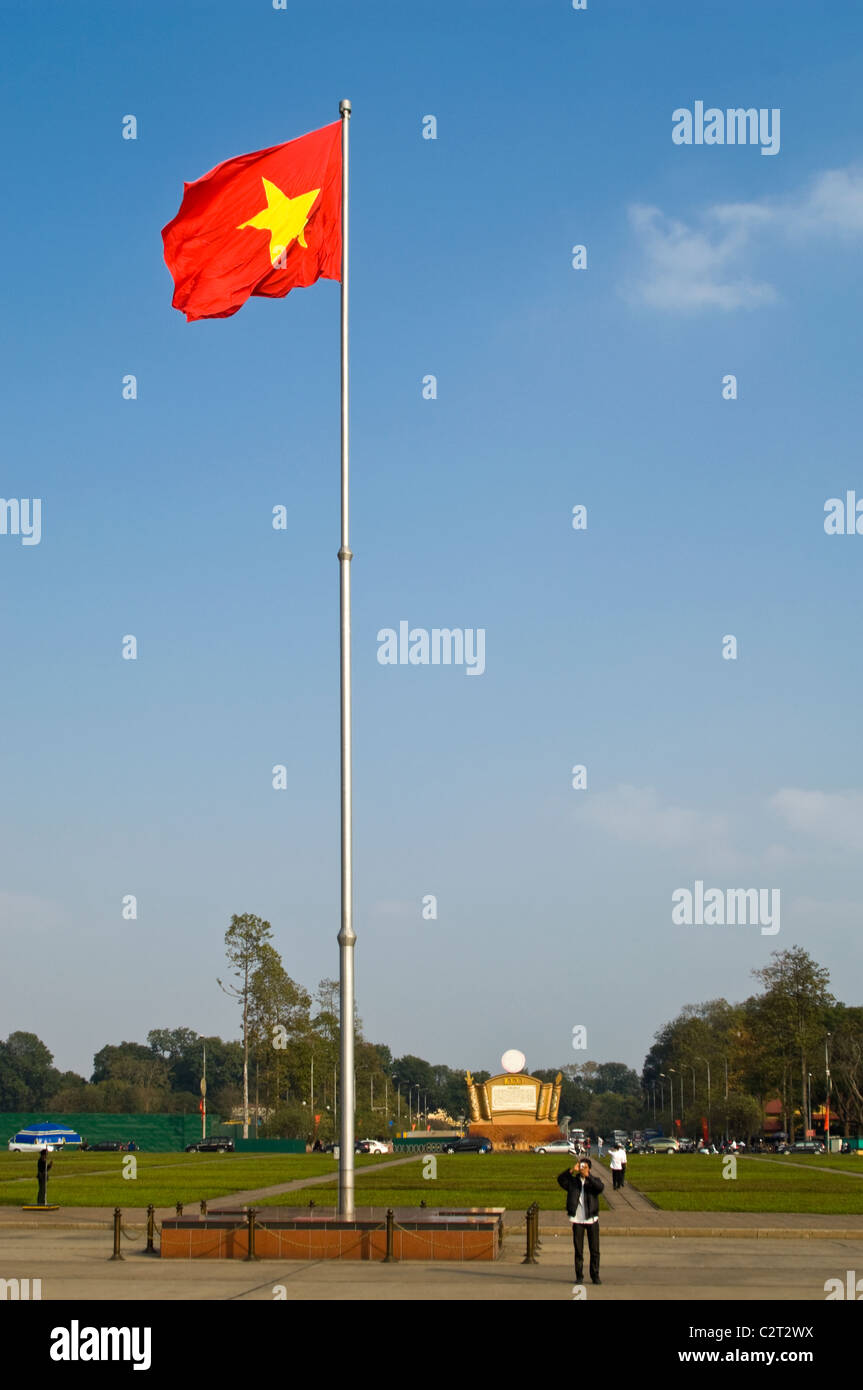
(578, 1230)
(618, 1177)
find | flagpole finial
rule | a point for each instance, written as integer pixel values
(344, 107)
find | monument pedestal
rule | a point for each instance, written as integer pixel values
(516, 1135)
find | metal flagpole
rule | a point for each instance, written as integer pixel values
(346, 933)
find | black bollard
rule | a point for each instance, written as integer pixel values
(151, 1230)
(537, 1243)
(389, 1257)
(251, 1255)
(117, 1218)
(529, 1257)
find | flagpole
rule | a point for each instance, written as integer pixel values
(347, 938)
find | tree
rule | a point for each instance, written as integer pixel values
(846, 1068)
(278, 1020)
(793, 1005)
(27, 1077)
(244, 942)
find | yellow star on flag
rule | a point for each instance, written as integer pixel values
(283, 217)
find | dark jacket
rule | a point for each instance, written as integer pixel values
(571, 1184)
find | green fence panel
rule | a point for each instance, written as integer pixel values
(270, 1146)
(151, 1133)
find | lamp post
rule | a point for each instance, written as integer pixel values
(672, 1072)
(661, 1092)
(809, 1132)
(827, 1101)
(709, 1125)
(692, 1069)
(666, 1077)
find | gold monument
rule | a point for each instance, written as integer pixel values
(514, 1110)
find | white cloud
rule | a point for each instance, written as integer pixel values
(832, 817)
(706, 264)
(689, 269)
(637, 815)
(834, 203)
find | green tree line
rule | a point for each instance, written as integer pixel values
(282, 1073)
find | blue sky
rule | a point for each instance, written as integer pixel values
(555, 387)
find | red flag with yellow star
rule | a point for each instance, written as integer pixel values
(261, 224)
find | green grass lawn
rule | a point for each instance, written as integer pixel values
(463, 1180)
(690, 1182)
(679, 1182)
(87, 1179)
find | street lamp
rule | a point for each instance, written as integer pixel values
(672, 1072)
(809, 1109)
(827, 1101)
(707, 1064)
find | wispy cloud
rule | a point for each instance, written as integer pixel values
(833, 818)
(706, 263)
(688, 269)
(637, 815)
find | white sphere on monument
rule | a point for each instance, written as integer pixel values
(513, 1061)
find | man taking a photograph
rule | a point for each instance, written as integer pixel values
(582, 1205)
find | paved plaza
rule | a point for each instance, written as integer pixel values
(74, 1265)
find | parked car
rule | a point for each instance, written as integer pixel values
(663, 1146)
(468, 1146)
(373, 1146)
(218, 1143)
(105, 1146)
(555, 1146)
(807, 1146)
(21, 1146)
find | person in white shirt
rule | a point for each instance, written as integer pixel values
(618, 1165)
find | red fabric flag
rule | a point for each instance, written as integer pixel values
(261, 224)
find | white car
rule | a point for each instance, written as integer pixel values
(26, 1146)
(555, 1146)
(376, 1146)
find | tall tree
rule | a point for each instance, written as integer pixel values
(244, 943)
(278, 1019)
(27, 1077)
(795, 1000)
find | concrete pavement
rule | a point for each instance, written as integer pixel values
(74, 1266)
